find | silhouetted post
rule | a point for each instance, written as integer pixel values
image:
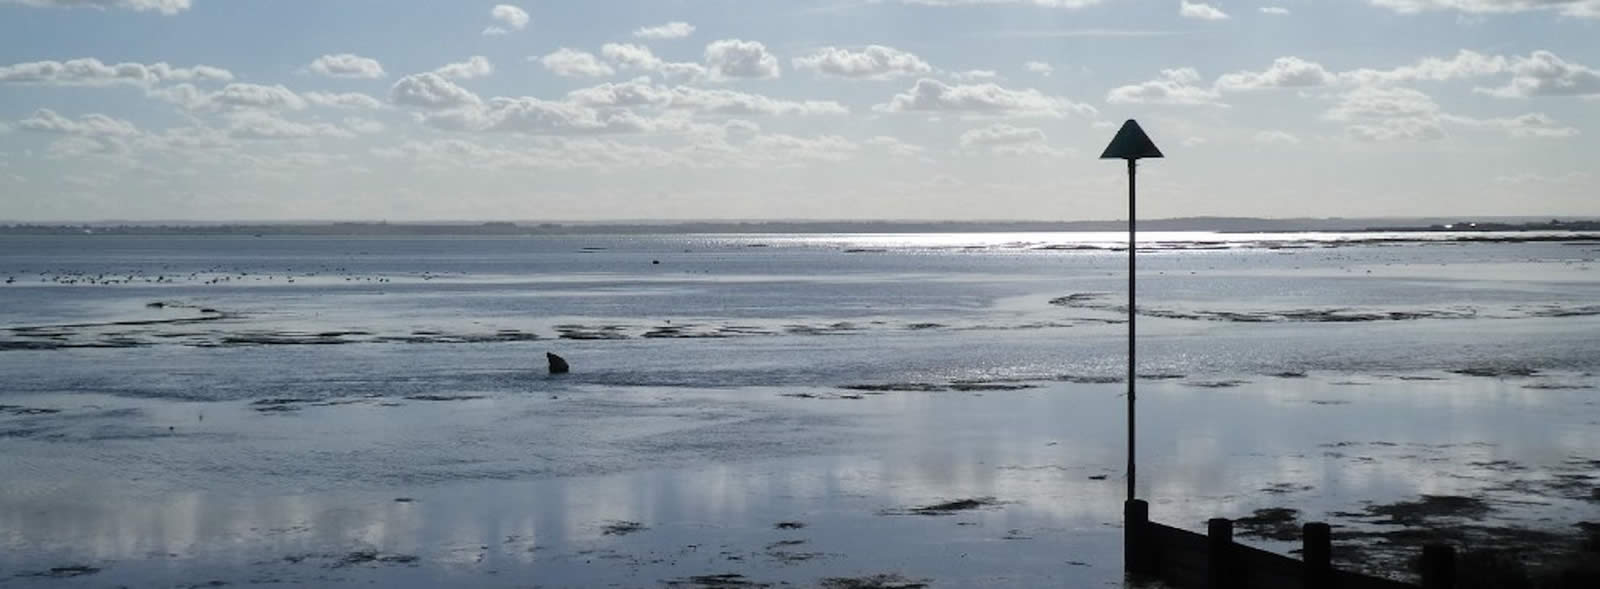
(1438, 567)
(1317, 548)
(1220, 568)
(1135, 534)
(1131, 144)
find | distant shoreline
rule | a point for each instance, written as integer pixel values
(500, 228)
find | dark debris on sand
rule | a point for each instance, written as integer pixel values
(65, 572)
(947, 507)
(1413, 513)
(789, 525)
(622, 528)
(1274, 523)
(880, 581)
(722, 580)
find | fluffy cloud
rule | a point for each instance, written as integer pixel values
(431, 91)
(1039, 67)
(1465, 64)
(347, 65)
(874, 62)
(735, 58)
(1403, 129)
(1200, 11)
(1002, 134)
(91, 125)
(1383, 103)
(476, 66)
(514, 19)
(360, 125)
(1527, 125)
(92, 72)
(533, 116)
(233, 97)
(1175, 86)
(789, 148)
(1577, 8)
(1275, 137)
(353, 100)
(1042, 3)
(161, 6)
(1285, 72)
(1274, 10)
(1543, 73)
(716, 101)
(266, 126)
(635, 57)
(571, 63)
(933, 95)
(671, 30)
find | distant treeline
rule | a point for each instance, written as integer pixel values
(501, 228)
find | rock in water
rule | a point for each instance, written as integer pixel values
(558, 365)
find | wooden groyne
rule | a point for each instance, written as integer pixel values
(1214, 561)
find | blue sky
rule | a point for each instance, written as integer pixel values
(692, 109)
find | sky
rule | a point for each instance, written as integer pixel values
(407, 110)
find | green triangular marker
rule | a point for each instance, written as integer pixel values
(1130, 144)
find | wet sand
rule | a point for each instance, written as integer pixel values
(1017, 487)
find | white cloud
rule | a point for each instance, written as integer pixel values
(875, 62)
(476, 66)
(266, 126)
(1175, 86)
(533, 116)
(1401, 129)
(636, 57)
(895, 147)
(514, 19)
(360, 125)
(1576, 8)
(431, 91)
(1465, 64)
(1200, 11)
(640, 92)
(791, 148)
(354, 100)
(671, 30)
(347, 65)
(1275, 137)
(970, 75)
(735, 58)
(45, 120)
(1526, 125)
(1275, 10)
(89, 71)
(728, 102)
(161, 6)
(1383, 103)
(933, 95)
(233, 97)
(571, 63)
(1039, 67)
(1002, 134)
(1285, 72)
(1543, 73)
(1041, 3)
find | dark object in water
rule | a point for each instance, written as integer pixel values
(558, 365)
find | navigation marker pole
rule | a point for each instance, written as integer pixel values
(1131, 144)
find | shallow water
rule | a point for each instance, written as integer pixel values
(252, 430)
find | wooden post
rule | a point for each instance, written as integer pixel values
(1221, 569)
(1438, 567)
(1317, 549)
(1136, 556)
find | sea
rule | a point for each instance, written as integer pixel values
(803, 409)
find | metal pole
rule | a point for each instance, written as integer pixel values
(1132, 249)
